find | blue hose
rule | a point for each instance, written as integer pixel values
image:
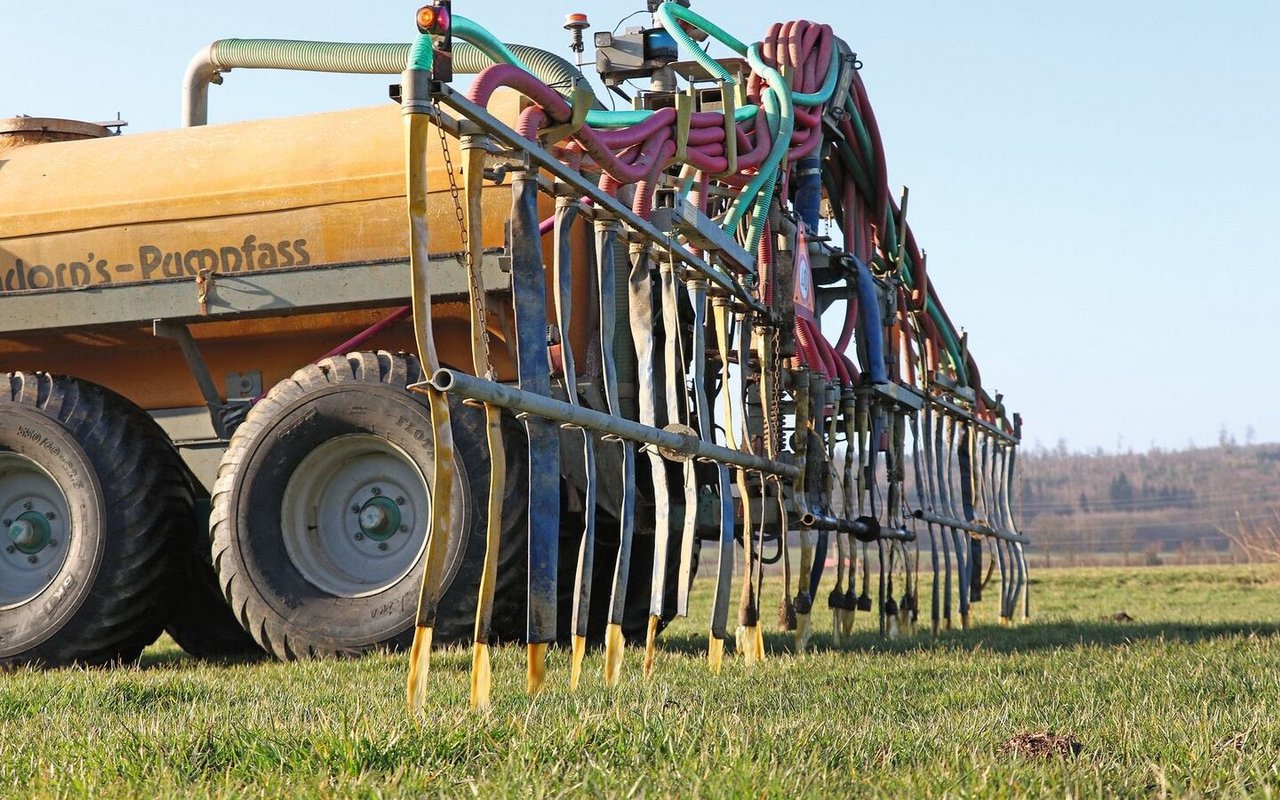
(870, 325)
(809, 190)
(820, 548)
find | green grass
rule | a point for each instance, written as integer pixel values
(1183, 700)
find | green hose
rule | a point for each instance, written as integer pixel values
(768, 172)
(622, 119)
(422, 54)
(669, 13)
(851, 164)
(473, 33)
(828, 86)
(859, 128)
(368, 58)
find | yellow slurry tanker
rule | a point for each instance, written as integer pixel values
(485, 365)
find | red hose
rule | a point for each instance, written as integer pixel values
(808, 354)
(357, 341)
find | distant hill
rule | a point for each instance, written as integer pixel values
(1146, 507)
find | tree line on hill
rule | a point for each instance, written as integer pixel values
(1148, 507)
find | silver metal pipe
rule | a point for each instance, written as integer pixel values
(361, 58)
(963, 413)
(863, 529)
(901, 534)
(981, 530)
(460, 383)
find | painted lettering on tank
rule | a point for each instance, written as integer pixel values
(154, 262)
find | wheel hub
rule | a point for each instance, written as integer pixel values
(380, 518)
(34, 518)
(30, 533)
(354, 515)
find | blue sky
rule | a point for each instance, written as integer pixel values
(1095, 182)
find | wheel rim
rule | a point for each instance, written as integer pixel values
(36, 529)
(354, 515)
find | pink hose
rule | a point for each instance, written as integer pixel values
(808, 353)
(357, 341)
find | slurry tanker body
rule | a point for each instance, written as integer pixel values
(486, 365)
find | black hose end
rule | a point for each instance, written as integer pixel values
(804, 603)
(835, 599)
(864, 602)
(890, 607)
(866, 529)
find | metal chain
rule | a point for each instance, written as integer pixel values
(477, 295)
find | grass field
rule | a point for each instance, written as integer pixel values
(1181, 700)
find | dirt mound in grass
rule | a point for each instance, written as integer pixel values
(1041, 744)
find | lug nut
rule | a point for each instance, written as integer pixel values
(10, 549)
(404, 528)
(8, 522)
(359, 537)
(382, 545)
(26, 506)
(32, 559)
(49, 515)
(355, 509)
(375, 491)
(399, 501)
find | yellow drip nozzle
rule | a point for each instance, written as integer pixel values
(579, 653)
(747, 643)
(650, 646)
(481, 677)
(614, 646)
(537, 667)
(802, 632)
(759, 643)
(419, 664)
(715, 654)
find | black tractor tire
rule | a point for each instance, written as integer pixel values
(635, 616)
(66, 441)
(200, 619)
(295, 609)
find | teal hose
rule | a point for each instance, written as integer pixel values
(756, 230)
(828, 86)
(669, 15)
(859, 128)
(622, 119)
(768, 173)
(949, 338)
(851, 164)
(473, 33)
(422, 54)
